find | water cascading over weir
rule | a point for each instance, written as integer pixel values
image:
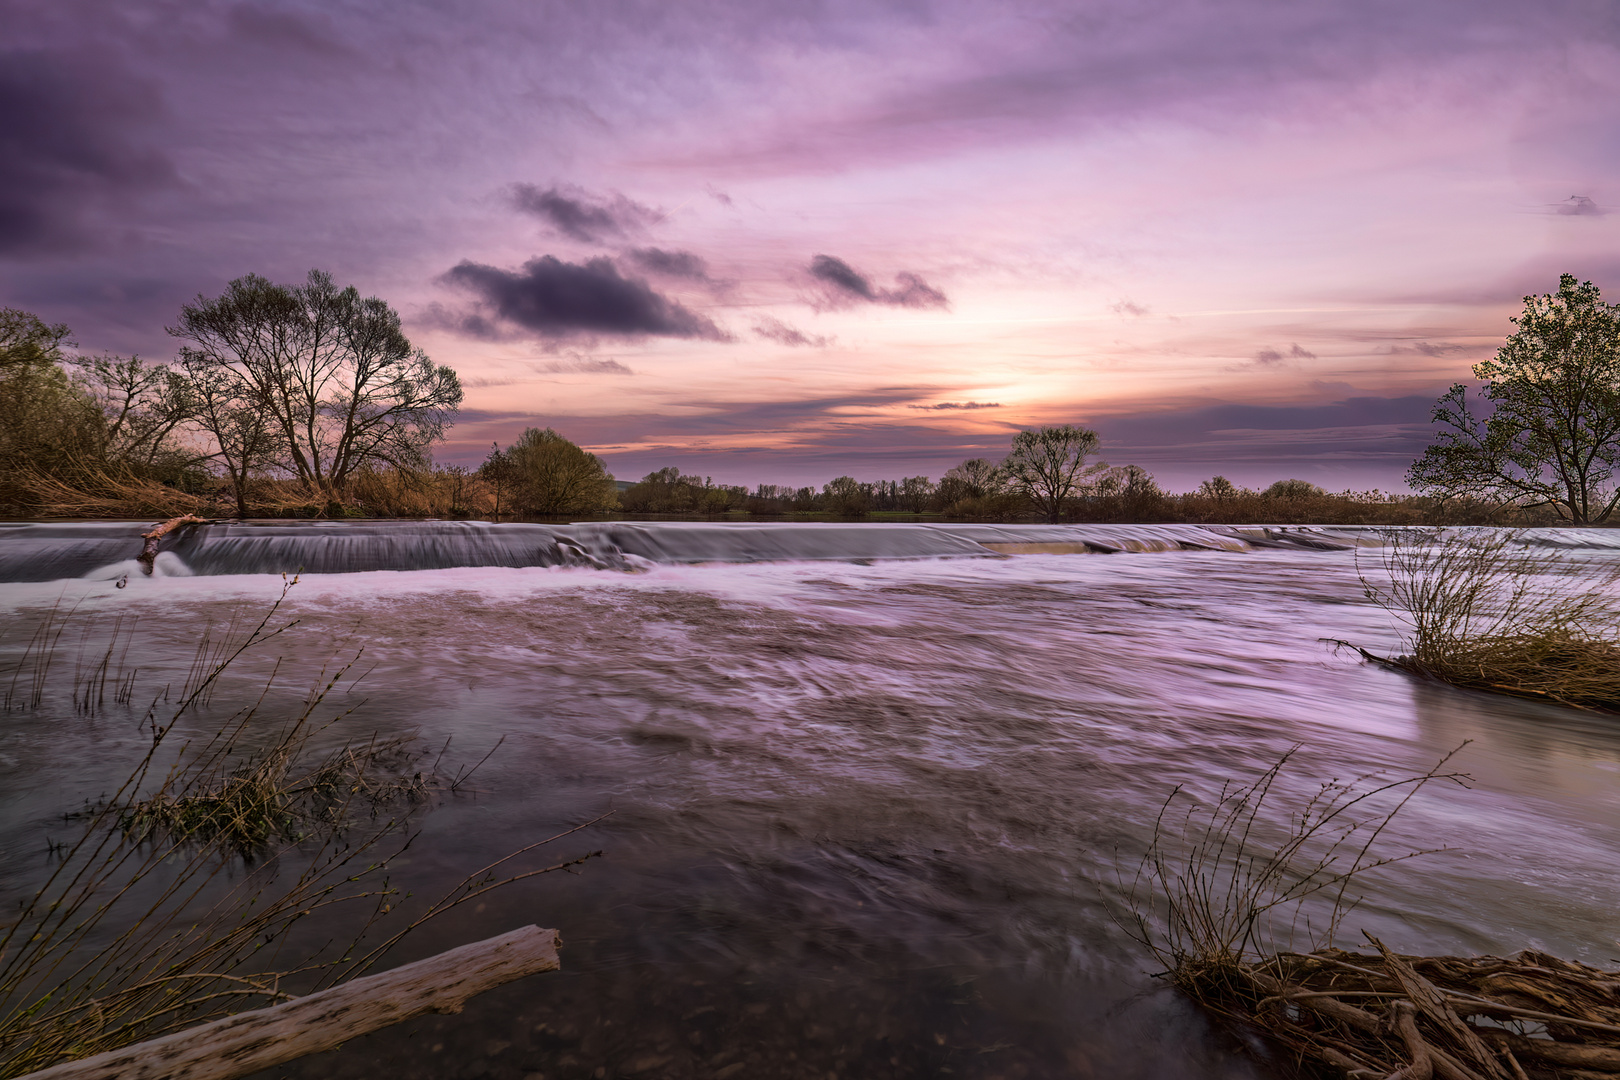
(52, 551)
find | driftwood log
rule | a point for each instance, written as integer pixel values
(250, 1041)
(154, 536)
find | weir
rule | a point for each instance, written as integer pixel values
(52, 551)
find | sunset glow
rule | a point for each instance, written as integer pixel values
(783, 243)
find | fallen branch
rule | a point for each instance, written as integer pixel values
(239, 1045)
(149, 550)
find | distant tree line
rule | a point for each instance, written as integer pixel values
(1049, 474)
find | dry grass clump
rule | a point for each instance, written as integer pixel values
(108, 494)
(1381, 1014)
(1224, 883)
(277, 795)
(175, 903)
(1482, 610)
(449, 492)
(1223, 893)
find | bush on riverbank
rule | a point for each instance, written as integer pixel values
(1485, 611)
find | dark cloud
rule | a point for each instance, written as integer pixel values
(1369, 431)
(1580, 205)
(577, 214)
(68, 146)
(1127, 307)
(583, 365)
(945, 405)
(840, 275)
(773, 329)
(553, 298)
(677, 264)
(847, 284)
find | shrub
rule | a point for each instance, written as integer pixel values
(551, 475)
(1486, 611)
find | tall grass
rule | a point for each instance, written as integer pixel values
(1485, 610)
(176, 902)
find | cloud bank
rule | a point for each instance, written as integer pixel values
(553, 298)
(67, 143)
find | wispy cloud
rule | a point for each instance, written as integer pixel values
(949, 405)
(583, 365)
(1427, 348)
(579, 215)
(771, 328)
(1269, 357)
(846, 285)
(675, 264)
(69, 140)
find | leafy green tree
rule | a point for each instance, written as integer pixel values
(1553, 435)
(550, 475)
(334, 371)
(27, 341)
(49, 427)
(847, 497)
(1048, 465)
(915, 493)
(1292, 489)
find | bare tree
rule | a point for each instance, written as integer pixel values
(247, 436)
(143, 404)
(497, 472)
(335, 373)
(1049, 465)
(973, 479)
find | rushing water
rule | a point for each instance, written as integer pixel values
(869, 804)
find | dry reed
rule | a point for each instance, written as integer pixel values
(1223, 892)
(1483, 610)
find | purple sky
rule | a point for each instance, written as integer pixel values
(779, 242)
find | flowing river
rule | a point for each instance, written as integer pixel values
(872, 789)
